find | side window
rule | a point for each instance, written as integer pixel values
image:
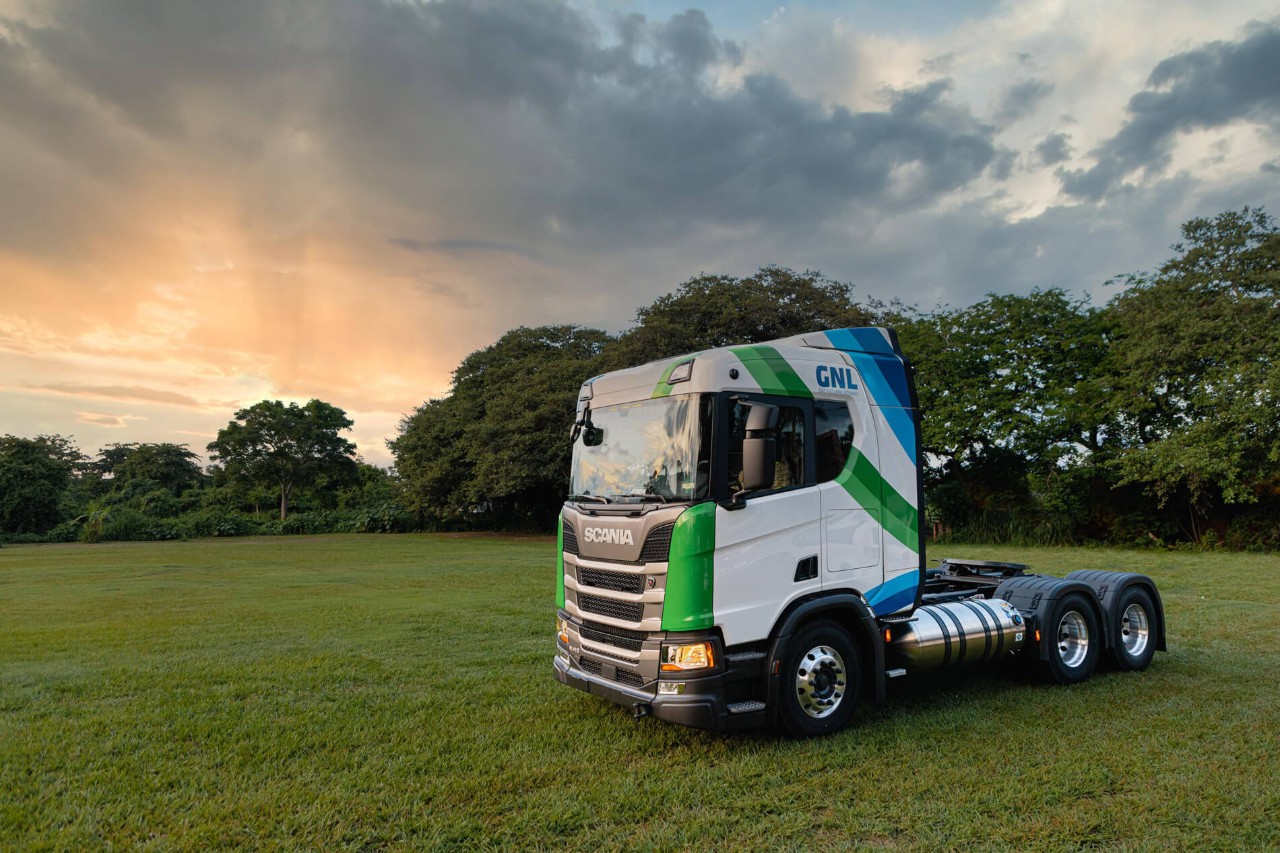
(789, 468)
(833, 438)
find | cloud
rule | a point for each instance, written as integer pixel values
(106, 420)
(1207, 87)
(1054, 148)
(121, 392)
(461, 246)
(1020, 99)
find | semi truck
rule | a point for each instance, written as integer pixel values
(741, 546)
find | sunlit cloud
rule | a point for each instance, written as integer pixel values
(118, 392)
(107, 420)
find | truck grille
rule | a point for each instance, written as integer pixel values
(625, 676)
(609, 638)
(628, 611)
(616, 581)
(657, 545)
(570, 538)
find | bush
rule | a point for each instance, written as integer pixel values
(67, 531)
(22, 538)
(118, 524)
(217, 522)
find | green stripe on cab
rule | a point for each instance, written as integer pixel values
(772, 372)
(865, 485)
(560, 562)
(663, 388)
(690, 571)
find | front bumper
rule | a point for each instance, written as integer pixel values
(702, 705)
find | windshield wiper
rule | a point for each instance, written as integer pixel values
(596, 498)
(647, 495)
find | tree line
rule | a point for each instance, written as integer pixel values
(276, 469)
(1151, 420)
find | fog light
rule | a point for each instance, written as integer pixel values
(690, 656)
(562, 630)
(669, 688)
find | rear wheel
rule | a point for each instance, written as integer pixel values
(1136, 632)
(821, 680)
(1075, 640)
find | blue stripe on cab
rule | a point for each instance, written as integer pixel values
(894, 595)
(886, 381)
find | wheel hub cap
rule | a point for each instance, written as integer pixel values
(1135, 630)
(820, 681)
(1073, 640)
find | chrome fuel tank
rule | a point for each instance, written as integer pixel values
(957, 632)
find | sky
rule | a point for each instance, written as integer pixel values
(208, 204)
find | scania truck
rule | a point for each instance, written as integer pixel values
(741, 547)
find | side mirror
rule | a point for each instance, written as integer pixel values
(759, 447)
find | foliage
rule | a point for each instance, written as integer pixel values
(1013, 372)
(1197, 365)
(285, 446)
(34, 475)
(172, 467)
(710, 311)
(495, 451)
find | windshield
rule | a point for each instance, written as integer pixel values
(654, 449)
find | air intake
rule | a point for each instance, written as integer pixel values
(657, 546)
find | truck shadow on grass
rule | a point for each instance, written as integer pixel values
(940, 700)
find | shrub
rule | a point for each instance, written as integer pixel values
(216, 522)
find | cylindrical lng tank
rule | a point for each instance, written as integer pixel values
(957, 632)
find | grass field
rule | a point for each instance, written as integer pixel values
(367, 692)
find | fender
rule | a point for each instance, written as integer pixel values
(845, 607)
(1110, 586)
(1036, 594)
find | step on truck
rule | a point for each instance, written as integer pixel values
(742, 547)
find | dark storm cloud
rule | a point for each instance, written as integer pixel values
(1020, 99)
(1211, 86)
(1054, 148)
(526, 122)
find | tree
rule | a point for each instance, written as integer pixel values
(1197, 366)
(718, 310)
(171, 466)
(35, 473)
(1015, 372)
(1010, 391)
(495, 450)
(285, 446)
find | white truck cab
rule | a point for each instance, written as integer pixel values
(742, 546)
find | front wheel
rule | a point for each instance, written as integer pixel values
(821, 680)
(1075, 640)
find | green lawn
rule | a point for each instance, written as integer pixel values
(381, 691)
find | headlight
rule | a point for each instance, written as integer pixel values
(562, 629)
(691, 656)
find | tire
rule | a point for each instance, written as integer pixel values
(821, 681)
(1135, 630)
(1075, 640)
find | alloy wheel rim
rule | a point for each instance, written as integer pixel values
(1073, 639)
(1135, 630)
(820, 682)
